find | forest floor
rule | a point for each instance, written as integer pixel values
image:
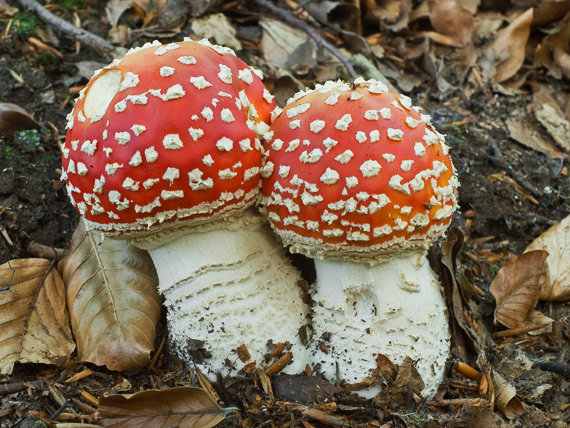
(510, 194)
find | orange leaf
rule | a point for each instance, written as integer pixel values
(177, 407)
(516, 287)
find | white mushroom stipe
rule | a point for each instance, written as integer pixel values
(237, 279)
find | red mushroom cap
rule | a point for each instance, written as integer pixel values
(356, 170)
(166, 135)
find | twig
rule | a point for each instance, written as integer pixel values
(11, 388)
(551, 366)
(292, 20)
(99, 44)
(517, 331)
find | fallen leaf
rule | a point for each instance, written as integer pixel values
(516, 287)
(113, 300)
(115, 8)
(522, 131)
(14, 118)
(34, 319)
(506, 54)
(449, 18)
(279, 41)
(218, 28)
(556, 241)
(181, 407)
(553, 52)
(506, 400)
(536, 318)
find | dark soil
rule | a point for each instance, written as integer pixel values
(34, 209)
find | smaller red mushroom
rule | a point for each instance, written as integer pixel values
(162, 149)
(356, 177)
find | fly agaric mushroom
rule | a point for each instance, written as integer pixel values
(162, 150)
(358, 179)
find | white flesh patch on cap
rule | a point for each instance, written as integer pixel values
(151, 154)
(317, 126)
(71, 166)
(147, 184)
(381, 231)
(171, 194)
(122, 137)
(171, 174)
(196, 182)
(309, 199)
(81, 116)
(98, 186)
(395, 134)
(107, 151)
(227, 115)
(293, 145)
(173, 93)
(406, 102)
(225, 144)
(200, 82)
(148, 207)
(361, 137)
(374, 135)
(101, 93)
(294, 124)
(207, 160)
(226, 174)
(419, 149)
(389, 157)
(430, 138)
(406, 165)
(75, 144)
(313, 225)
(343, 123)
(131, 184)
(411, 122)
(371, 115)
(355, 96)
(225, 74)
(81, 168)
(313, 157)
(115, 198)
(382, 201)
(378, 88)
(330, 176)
(138, 129)
(284, 170)
(396, 184)
(111, 168)
(245, 76)
(245, 145)
(207, 114)
(172, 142)
(166, 71)
(333, 233)
(370, 168)
(386, 113)
(88, 147)
(351, 182)
(187, 60)
(161, 50)
(130, 80)
(267, 169)
(196, 133)
(329, 143)
(301, 108)
(406, 210)
(120, 107)
(332, 99)
(267, 96)
(344, 157)
(250, 173)
(329, 217)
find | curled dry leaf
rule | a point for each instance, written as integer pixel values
(34, 319)
(516, 287)
(113, 300)
(14, 118)
(177, 407)
(449, 18)
(505, 56)
(556, 241)
(506, 400)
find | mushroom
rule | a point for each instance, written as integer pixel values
(357, 178)
(162, 149)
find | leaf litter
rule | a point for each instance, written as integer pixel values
(493, 78)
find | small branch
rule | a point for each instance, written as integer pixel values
(99, 44)
(292, 20)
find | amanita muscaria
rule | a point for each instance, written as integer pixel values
(358, 179)
(162, 149)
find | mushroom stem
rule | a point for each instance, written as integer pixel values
(395, 308)
(226, 285)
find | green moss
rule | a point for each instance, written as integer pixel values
(26, 24)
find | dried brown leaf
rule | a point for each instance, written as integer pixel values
(524, 132)
(34, 319)
(516, 287)
(556, 241)
(449, 18)
(113, 300)
(177, 407)
(552, 52)
(505, 56)
(14, 118)
(506, 401)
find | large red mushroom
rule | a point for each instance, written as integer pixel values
(357, 178)
(162, 149)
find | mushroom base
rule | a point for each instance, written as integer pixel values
(229, 287)
(396, 308)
